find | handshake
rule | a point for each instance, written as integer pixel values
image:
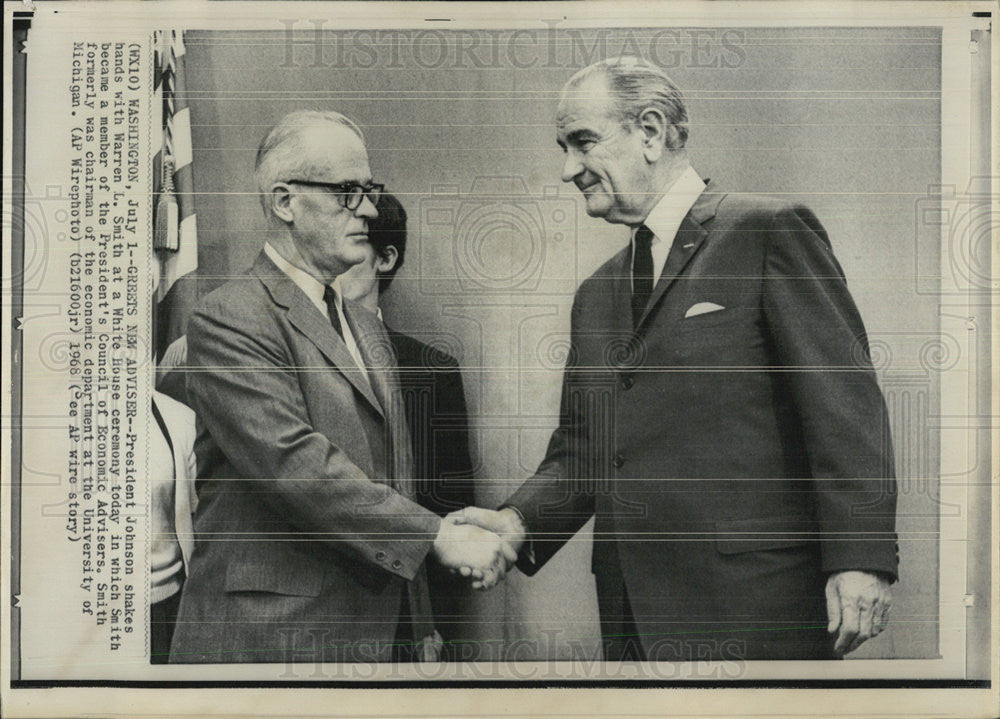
(481, 544)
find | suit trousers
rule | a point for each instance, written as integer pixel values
(162, 620)
(619, 633)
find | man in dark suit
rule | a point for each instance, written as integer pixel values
(720, 415)
(310, 545)
(431, 384)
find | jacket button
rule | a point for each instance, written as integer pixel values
(618, 461)
(627, 381)
(397, 564)
(380, 556)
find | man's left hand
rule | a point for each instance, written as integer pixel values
(506, 523)
(858, 605)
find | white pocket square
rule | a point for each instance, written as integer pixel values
(702, 308)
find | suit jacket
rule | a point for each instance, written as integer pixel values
(303, 546)
(733, 458)
(431, 383)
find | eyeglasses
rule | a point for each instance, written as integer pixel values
(350, 194)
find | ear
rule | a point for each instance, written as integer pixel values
(281, 202)
(386, 259)
(655, 130)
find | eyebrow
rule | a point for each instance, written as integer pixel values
(348, 180)
(577, 135)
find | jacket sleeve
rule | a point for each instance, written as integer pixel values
(823, 357)
(245, 390)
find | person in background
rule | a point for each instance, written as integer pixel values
(172, 473)
(431, 383)
(171, 370)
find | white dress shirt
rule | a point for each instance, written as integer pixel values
(666, 216)
(314, 290)
(171, 478)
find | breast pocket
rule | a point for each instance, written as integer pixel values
(723, 337)
(710, 318)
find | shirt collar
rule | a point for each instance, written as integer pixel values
(678, 199)
(313, 288)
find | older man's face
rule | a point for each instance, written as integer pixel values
(329, 237)
(362, 279)
(603, 159)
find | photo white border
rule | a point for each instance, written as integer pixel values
(957, 389)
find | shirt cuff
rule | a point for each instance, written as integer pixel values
(528, 548)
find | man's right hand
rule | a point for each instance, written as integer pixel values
(473, 552)
(504, 522)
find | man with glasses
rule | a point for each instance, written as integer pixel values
(309, 541)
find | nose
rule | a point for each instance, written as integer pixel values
(367, 209)
(571, 166)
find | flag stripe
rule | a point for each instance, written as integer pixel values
(184, 189)
(182, 139)
(176, 292)
(184, 261)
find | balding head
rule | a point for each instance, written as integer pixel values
(635, 85)
(286, 151)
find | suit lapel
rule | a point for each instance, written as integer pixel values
(308, 320)
(689, 239)
(375, 348)
(379, 356)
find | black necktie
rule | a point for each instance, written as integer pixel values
(642, 272)
(330, 297)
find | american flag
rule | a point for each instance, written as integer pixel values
(175, 236)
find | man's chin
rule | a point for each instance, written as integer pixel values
(597, 209)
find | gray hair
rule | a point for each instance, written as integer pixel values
(636, 85)
(281, 154)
